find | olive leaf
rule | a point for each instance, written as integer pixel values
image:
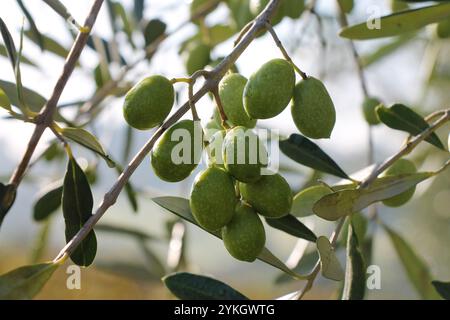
(443, 288)
(127, 26)
(48, 202)
(77, 204)
(398, 23)
(303, 203)
(40, 242)
(188, 286)
(141, 235)
(33, 26)
(22, 59)
(400, 117)
(4, 100)
(7, 197)
(9, 43)
(138, 9)
(307, 153)
(32, 99)
(48, 44)
(153, 30)
(87, 140)
(25, 282)
(180, 207)
(355, 271)
(415, 267)
(291, 225)
(330, 266)
(345, 202)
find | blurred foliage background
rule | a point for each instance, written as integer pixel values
(137, 248)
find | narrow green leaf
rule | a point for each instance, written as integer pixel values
(4, 100)
(355, 271)
(307, 153)
(48, 202)
(398, 23)
(49, 44)
(443, 288)
(61, 10)
(32, 99)
(330, 266)
(77, 203)
(87, 140)
(23, 59)
(415, 267)
(402, 118)
(180, 207)
(25, 282)
(9, 43)
(127, 26)
(291, 225)
(303, 203)
(124, 231)
(33, 26)
(7, 197)
(138, 9)
(188, 286)
(342, 203)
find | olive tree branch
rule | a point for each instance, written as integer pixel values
(210, 84)
(45, 117)
(112, 84)
(406, 149)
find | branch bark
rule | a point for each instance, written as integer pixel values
(210, 84)
(45, 118)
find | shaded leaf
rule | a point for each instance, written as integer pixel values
(138, 9)
(355, 271)
(61, 10)
(291, 225)
(32, 99)
(25, 282)
(34, 29)
(49, 44)
(77, 203)
(443, 288)
(342, 203)
(87, 140)
(48, 202)
(127, 27)
(330, 266)
(7, 197)
(153, 30)
(9, 43)
(415, 267)
(401, 117)
(22, 59)
(188, 286)
(180, 207)
(124, 231)
(307, 153)
(304, 201)
(4, 101)
(398, 23)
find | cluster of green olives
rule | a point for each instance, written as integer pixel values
(236, 187)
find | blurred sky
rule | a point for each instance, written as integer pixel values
(398, 78)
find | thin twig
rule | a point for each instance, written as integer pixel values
(283, 50)
(407, 148)
(45, 118)
(210, 83)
